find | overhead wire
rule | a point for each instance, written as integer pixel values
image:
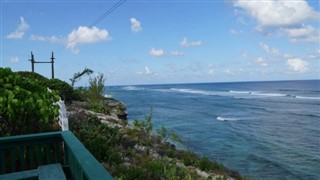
(114, 7)
(98, 20)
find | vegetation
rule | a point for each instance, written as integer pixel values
(132, 152)
(63, 89)
(96, 88)
(127, 152)
(77, 76)
(25, 105)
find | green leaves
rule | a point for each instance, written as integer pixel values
(77, 76)
(96, 88)
(26, 106)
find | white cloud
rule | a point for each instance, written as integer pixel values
(273, 13)
(245, 54)
(146, 72)
(315, 55)
(86, 35)
(287, 55)
(283, 16)
(305, 33)
(241, 20)
(156, 52)
(176, 53)
(211, 71)
(135, 25)
(269, 49)
(185, 43)
(297, 65)
(19, 32)
(51, 39)
(262, 62)
(228, 72)
(14, 59)
(234, 32)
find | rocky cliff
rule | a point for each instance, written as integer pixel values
(145, 154)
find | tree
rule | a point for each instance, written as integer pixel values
(96, 88)
(77, 76)
(25, 105)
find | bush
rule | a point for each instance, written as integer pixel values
(96, 88)
(32, 75)
(205, 164)
(100, 139)
(25, 105)
(64, 90)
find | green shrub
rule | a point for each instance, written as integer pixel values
(188, 158)
(96, 88)
(205, 164)
(33, 75)
(100, 139)
(144, 125)
(77, 76)
(131, 172)
(154, 169)
(25, 105)
(64, 90)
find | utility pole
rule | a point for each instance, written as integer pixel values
(52, 63)
(32, 61)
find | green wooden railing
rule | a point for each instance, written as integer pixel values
(27, 152)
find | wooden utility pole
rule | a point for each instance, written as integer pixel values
(32, 62)
(52, 63)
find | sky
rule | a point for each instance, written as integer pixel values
(163, 41)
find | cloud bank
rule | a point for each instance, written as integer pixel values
(288, 17)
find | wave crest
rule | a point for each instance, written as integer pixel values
(220, 118)
(193, 91)
(304, 97)
(133, 88)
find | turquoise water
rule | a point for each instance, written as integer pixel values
(265, 130)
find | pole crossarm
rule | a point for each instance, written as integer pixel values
(43, 62)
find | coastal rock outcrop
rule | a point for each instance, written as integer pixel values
(136, 146)
(114, 114)
(117, 108)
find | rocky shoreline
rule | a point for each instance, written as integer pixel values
(115, 115)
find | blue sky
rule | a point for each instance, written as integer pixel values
(156, 42)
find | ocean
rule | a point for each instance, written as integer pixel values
(264, 130)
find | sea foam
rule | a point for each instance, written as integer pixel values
(220, 118)
(193, 91)
(133, 88)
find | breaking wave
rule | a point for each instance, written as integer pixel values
(241, 92)
(133, 88)
(220, 118)
(304, 97)
(193, 91)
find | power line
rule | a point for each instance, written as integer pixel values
(114, 7)
(97, 21)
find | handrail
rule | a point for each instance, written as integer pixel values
(89, 165)
(28, 137)
(28, 151)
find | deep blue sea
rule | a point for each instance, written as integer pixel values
(264, 130)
